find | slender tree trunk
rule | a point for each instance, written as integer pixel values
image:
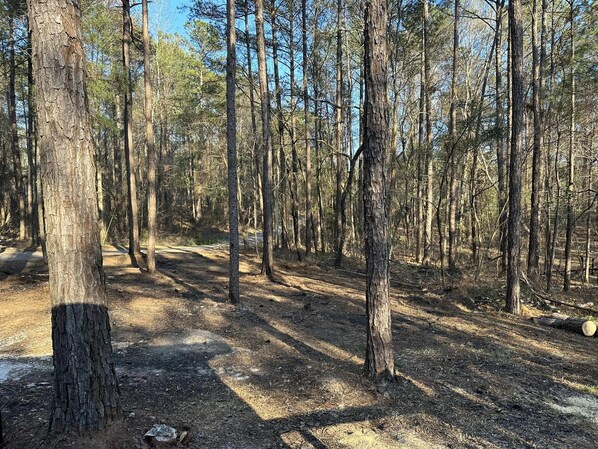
(452, 157)
(379, 359)
(556, 223)
(570, 159)
(292, 134)
(86, 394)
(429, 158)
(588, 230)
(258, 198)
(32, 172)
(338, 126)
(513, 304)
(14, 141)
(231, 144)
(133, 209)
(281, 157)
(501, 150)
(533, 256)
(267, 256)
(309, 217)
(150, 145)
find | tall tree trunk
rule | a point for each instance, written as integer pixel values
(32, 172)
(570, 158)
(555, 227)
(379, 359)
(533, 256)
(14, 132)
(588, 230)
(252, 108)
(309, 217)
(282, 164)
(231, 144)
(452, 157)
(133, 209)
(501, 150)
(86, 394)
(513, 304)
(267, 256)
(338, 126)
(150, 145)
(429, 157)
(292, 134)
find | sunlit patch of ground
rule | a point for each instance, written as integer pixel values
(283, 368)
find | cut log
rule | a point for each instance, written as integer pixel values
(578, 325)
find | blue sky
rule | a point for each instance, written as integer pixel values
(166, 15)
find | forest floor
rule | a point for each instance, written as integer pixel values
(283, 369)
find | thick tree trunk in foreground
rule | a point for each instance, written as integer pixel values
(267, 257)
(150, 145)
(379, 359)
(85, 386)
(134, 249)
(513, 304)
(231, 145)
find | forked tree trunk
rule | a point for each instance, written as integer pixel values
(379, 359)
(86, 394)
(513, 304)
(150, 145)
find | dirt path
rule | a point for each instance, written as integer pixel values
(283, 370)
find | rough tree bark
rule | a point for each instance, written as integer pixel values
(86, 394)
(379, 359)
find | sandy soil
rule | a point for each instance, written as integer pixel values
(283, 369)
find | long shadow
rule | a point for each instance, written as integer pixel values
(175, 380)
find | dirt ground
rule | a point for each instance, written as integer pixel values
(283, 369)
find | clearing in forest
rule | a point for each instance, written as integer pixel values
(283, 369)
